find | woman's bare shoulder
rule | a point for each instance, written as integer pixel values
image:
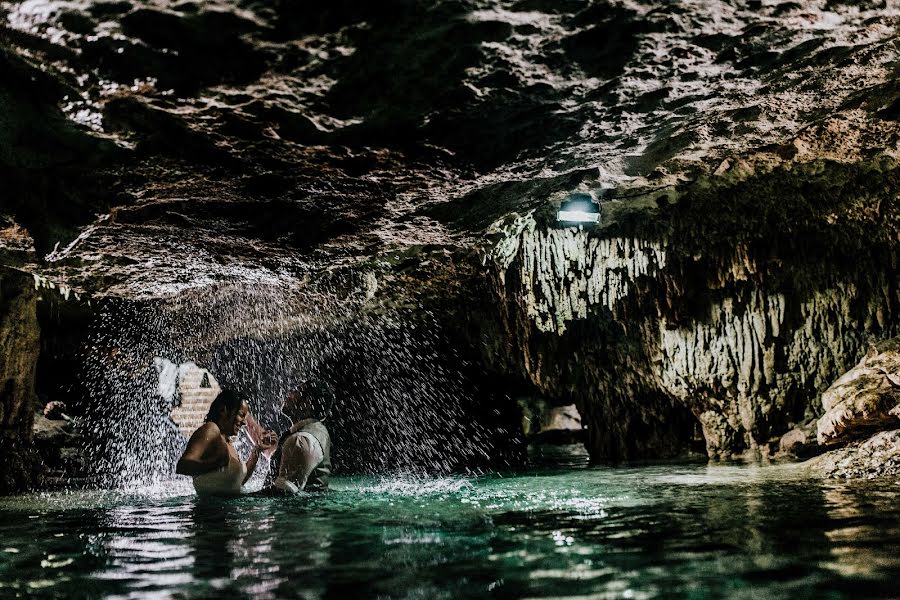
(209, 426)
(207, 431)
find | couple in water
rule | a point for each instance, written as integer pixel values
(301, 460)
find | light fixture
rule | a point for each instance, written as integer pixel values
(579, 208)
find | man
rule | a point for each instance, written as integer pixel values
(303, 458)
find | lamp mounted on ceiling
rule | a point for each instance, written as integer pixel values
(579, 208)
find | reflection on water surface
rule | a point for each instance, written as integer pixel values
(665, 531)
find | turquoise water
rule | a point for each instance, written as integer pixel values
(691, 531)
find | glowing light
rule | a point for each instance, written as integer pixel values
(578, 216)
(579, 208)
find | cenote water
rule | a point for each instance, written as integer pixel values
(692, 531)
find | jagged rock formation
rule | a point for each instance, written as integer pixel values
(865, 399)
(876, 456)
(745, 338)
(285, 139)
(862, 402)
(766, 360)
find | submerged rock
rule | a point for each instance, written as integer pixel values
(799, 442)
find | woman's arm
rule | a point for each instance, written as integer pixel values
(267, 441)
(200, 456)
(251, 463)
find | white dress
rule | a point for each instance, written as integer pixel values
(225, 481)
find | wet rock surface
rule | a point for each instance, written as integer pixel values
(876, 456)
(862, 416)
(865, 399)
(744, 153)
(62, 450)
(19, 348)
(799, 442)
(350, 126)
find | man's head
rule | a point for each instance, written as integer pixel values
(298, 404)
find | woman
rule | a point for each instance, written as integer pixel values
(210, 457)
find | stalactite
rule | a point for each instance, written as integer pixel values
(747, 368)
(566, 272)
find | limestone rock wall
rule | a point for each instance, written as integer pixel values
(566, 300)
(760, 359)
(19, 349)
(654, 337)
(565, 272)
(20, 344)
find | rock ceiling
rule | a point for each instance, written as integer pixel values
(149, 147)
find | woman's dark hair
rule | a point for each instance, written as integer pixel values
(227, 400)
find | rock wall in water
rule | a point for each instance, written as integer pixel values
(653, 326)
(19, 349)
